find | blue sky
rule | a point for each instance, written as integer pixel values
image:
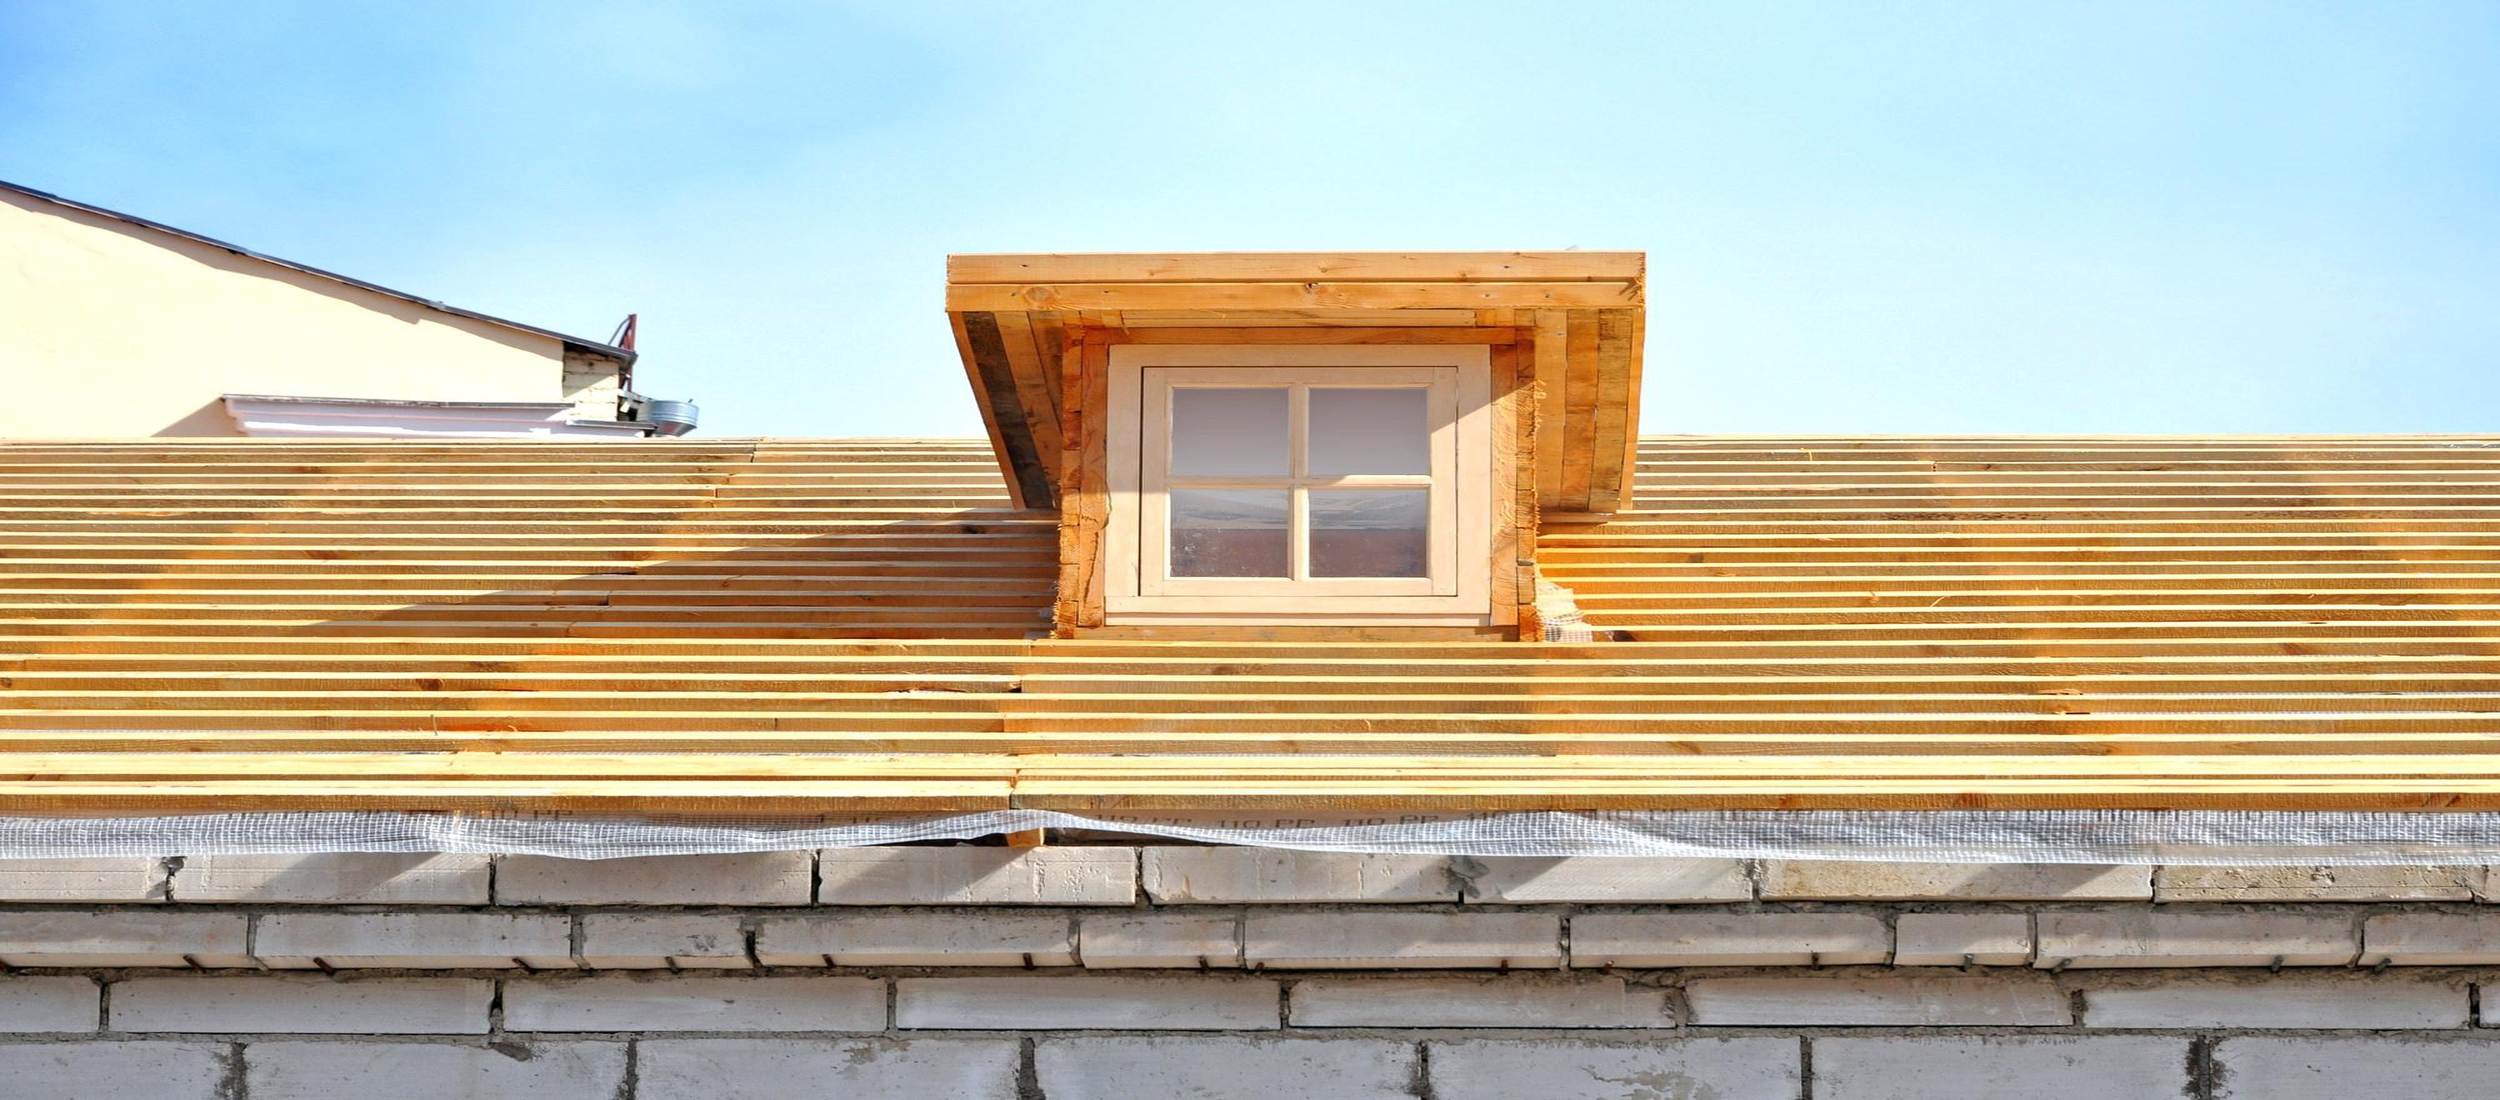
(1900, 217)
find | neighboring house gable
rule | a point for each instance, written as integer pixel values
(112, 325)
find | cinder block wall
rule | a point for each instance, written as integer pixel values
(1073, 973)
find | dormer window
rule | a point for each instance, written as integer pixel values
(1333, 446)
(1293, 482)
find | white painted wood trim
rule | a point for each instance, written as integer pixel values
(1458, 585)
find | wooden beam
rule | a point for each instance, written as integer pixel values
(1580, 404)
(1552, 349)
(1137, 319)
(1611, 431)
(990, 414)
(1003, 297)
(1084, 482)
(1313, 336)
(1010, 423)
(1033, 394)
(1298, 267)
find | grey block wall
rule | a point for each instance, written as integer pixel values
(1104, 971)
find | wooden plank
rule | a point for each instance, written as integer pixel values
(1016, 336)
(1296, 267)
(1508, 532)
(1084, 483)
(1553, 377)
(1632, 402)
(1137, 320)
(2270, 622)
(1003, 297)
(1321, 336)
(1581, 401)
(1611, 432)
(1050, 338)
(990, 414)
(1010, 423)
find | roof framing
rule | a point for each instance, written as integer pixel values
(1016, 316)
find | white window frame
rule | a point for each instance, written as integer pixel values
(1457, 587)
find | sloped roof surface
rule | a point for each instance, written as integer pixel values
(593, 346)
(2017, 622)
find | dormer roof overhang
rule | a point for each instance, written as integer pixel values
(1015, 316)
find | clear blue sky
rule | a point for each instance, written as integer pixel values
(1898, 217)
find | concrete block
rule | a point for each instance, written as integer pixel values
(1952, 939)
(1345, 941)
(665, 1003)
(304, 1070)
(426, 941)
(2000, 1067)
(1224, 1068)
(966, 875)
(296, 1005)
(2355, 1002)
(653, 941)
(337, 878)
(89, 878)
(2161, 938)
(2432, 939)
(1107, 942)
(1086, 1001)
(1863, 880)
(115, 1070)
(744, 878)
(919, 939)
(62, 1004)
(818, 1069)
(2316, 883)
(2317, 1067)
(1512, 1000)
(125, 937)
(2015, 999)
(1727, 939)
(1531, 880)
(1579, 1069)
(1179, 875)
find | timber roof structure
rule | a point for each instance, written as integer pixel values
(1016, 318)
(2263, 623)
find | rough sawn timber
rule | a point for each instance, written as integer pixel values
(775, 626)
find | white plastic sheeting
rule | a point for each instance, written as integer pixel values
(1559, 610)
(2077, 836)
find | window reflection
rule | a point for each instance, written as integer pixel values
(1370, 532)
(1229, 532)
(1229, 432)
(1369, 431)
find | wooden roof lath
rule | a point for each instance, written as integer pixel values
(1583, 311)
(732, 626)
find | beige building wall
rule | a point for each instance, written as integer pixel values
(113, 329)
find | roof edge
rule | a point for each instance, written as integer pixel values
(571, 343)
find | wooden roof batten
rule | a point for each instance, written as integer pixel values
(1578, 315)
(716, 625)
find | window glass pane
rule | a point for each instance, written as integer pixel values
(1228, 431)
(1369, 532)
(1370, 431)
(1229, 532)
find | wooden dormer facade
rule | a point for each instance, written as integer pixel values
(1287, 442)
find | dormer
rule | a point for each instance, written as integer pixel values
(1301, 444)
